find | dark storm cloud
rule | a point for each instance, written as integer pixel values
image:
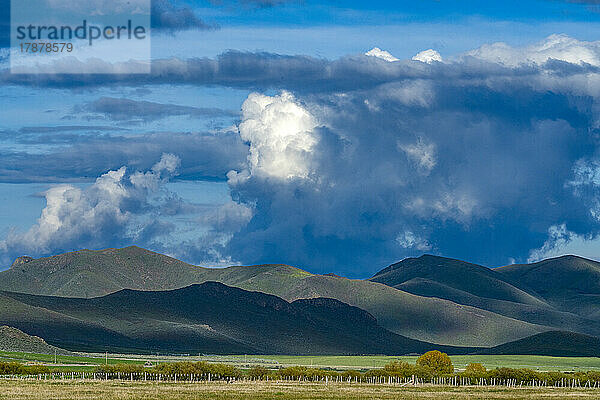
(366, 161)
(171, 16)
(302, 73)
(203, 156)
(120, 109)
(401, 179)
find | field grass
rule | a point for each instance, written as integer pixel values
(40, 390)
(88, 361)
(540, 363)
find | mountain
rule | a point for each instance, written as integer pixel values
(13, 339)
(482, 282)
(205, 318)
(569, 283)
(89, 273)
(487, 289)
(554, 343)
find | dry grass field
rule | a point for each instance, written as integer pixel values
(15, 390)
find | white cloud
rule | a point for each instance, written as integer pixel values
(412, 93)
(228, 218)
(281, 136)
(410, 240)
(428, 56)
(561, 242)
(421, 153)
(382, 54)
(558, 47)
(94, 216)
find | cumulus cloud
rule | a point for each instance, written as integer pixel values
(448, 156)
(96, 216)
(555, 47)
(562, 242)
(428, 56)
(384, 55)
(360, 162)
(281, 136)
(126, 206)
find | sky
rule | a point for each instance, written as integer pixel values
(335, 137)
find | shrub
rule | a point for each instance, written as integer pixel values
(301, 372)
(475, 369)
(119, 368)
(399, 368)
(36, 369)
(352, 374)
(259, 372)
(404, 370)
(13, 368)
(198, 368)
(438, 362)
(519, 375)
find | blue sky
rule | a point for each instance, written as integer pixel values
(265, 135)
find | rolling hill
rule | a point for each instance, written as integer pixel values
(482, 282)
(88, 273)
(205, 318)
(424, 318)
(12, 339)
(483, 288)
(553, 343)
(569, 283)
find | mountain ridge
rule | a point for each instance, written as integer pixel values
(424, 298)
(210, 318)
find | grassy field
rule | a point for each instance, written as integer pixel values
(34, 390)
(541, 363)
(88, 361)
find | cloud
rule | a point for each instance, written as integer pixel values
(356, 162)
(126, 206)
(203, 156)
(144, 111)
(281, 136)
(428, 56)
(473, 158)
(227, 218)
(555, 62)
(409, 240)
(555, 47)
(100, 215)
(169, 16)
(422, 154)
(562, 242)
(384, 55)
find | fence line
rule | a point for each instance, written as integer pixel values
(383, 380)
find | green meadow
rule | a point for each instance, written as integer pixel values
(88, 361)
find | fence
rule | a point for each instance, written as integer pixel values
(373, 380)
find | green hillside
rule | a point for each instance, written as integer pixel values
(88, 273)
(15, 340)
(541, 315)
(429, 319)
(554, 343)
(569, 283)
(482, 282)
(207, 318)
